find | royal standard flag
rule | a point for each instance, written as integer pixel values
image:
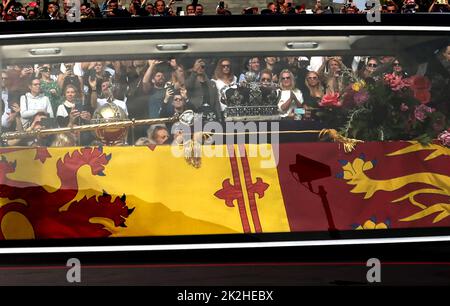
(152, 191)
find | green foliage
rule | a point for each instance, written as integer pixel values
(387, 114)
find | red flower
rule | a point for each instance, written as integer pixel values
(423, 96)
(420, 83)
(330, 99)
(421, 87)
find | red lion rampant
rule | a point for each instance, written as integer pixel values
(42, 208)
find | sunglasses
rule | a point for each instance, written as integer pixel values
(286, 78)
(177, 99)
(372, 65)
(226, 66)
(265, 80)
(312, 78)
(396, 64)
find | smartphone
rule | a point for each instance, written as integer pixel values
(222, 4)
(81, 107)
(194, 3)
(47, 123)
(179, 10)
(299, 111)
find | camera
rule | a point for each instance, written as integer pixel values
(81, 107)
(16, 9)
(170, 86)
(47, 123)
(44, 69)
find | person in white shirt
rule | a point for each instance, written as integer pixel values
(289, 97)
(34, 102)
(71, 111)
(224, 78)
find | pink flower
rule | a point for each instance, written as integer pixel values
(396, 82)
(420, 113)
(404, 107)
(444, 138)
(330, 99)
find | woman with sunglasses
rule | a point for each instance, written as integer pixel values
(314, 89)
(224, 79)
(313, 92)
(289, 97)
(368, 72)
(397, 69)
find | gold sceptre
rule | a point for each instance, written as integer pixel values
(186, 117)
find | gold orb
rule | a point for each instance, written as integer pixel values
(106, 114)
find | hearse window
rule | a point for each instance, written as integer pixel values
(382, 96)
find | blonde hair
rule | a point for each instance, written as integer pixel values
(314, 91)
(218, 73)
(64, 140)
(280, 81)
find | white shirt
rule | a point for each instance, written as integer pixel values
(62, 111)
(221, 86)
(284, 96)
(7, 110)
(30, 105)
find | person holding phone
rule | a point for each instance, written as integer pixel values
(68, 76)
(72, 112)
(11, 117)
(439, 6)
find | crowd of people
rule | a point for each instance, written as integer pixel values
(14, 10)
(68, 94)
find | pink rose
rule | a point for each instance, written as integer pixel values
(330, 99)
(396, 82)
(420, 113)
(444, 138)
